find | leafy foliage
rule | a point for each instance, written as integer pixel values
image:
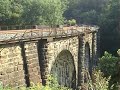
(85, 11)
(53, 11)
(98, 82)
(108, 64)
(109, 23)
(52, 84)
(71, 22)
(33, 10)
(47, 12)
(10, 12)
(105, 14)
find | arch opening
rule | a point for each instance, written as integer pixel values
(64, 69)
(87, 62)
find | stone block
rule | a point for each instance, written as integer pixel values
(20, 67)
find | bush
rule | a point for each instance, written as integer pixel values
(98, 82)
(51, 84)
(71, 22)
(108, 64)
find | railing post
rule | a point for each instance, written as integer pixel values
(71, 32)
(42, 33)
(31, 33)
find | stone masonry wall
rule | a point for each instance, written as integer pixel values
(11, 65)
(32, 62)
(19, 64)
(53, 49)
(88, 39)
(91, 39)
(57, 46)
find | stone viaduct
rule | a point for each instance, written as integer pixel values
(31, 55)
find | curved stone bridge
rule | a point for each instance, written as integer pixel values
(69, 55)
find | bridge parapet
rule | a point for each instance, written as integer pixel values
(35, 32)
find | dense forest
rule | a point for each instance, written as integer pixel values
(103, 13)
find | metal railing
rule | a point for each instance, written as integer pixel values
(35, 31)
(17, 27)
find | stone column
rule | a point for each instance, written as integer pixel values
(26, 72)
(94, 49)
(81, 56)
(98, 42)
(31, 53)
(43, 61)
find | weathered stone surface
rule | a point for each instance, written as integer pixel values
(10, 71)
(32, 62)
(68, 57)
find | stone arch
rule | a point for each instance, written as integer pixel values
(63, 69)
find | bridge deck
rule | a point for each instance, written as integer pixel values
(12, 35)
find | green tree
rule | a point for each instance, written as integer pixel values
(32, 14)
(108, 64)
(98, 82)
(24, 12)
(10, 12)
(85, 11)
(17, 11)
(5, 11)
(109, 26)
(47, 12)
(53, 12)
(71, 22)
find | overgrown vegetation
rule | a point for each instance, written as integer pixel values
(51, 84)
(71, 22)
(108, 64)
(31, 12)
(104, 13)
(98, 82)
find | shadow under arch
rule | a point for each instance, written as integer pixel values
(64, 69)
(87, 62)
